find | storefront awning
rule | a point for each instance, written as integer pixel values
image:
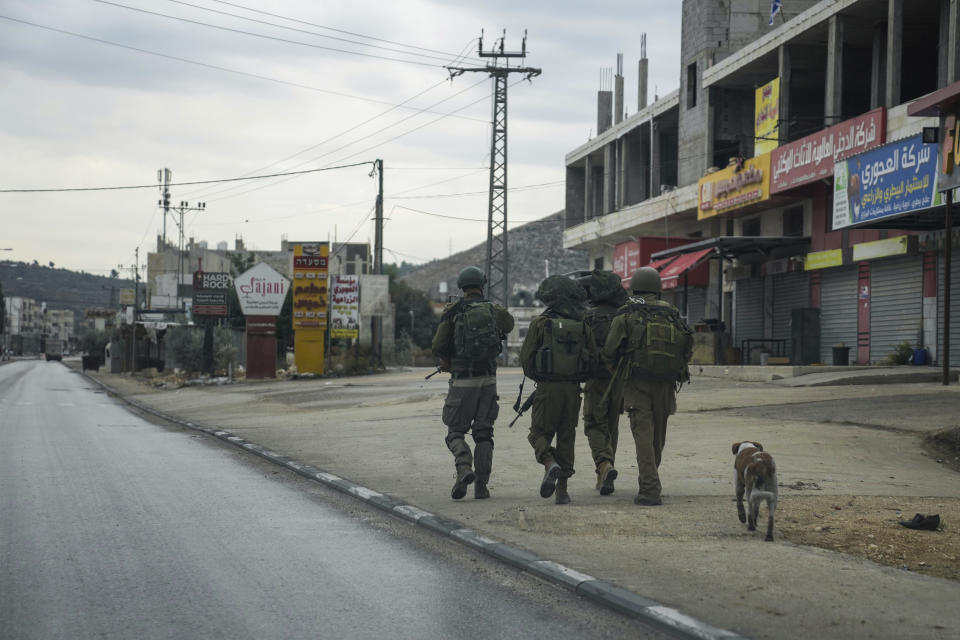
(671, 274)
(661, 263)
(730, 247)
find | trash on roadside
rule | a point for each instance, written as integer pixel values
(922, 522)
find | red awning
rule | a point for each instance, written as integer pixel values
(661, 263)
(686, 261)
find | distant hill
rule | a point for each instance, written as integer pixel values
(61, 288)
(532, 249)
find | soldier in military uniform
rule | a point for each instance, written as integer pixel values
(602, 396)
(556, 404)
(648, 402)
(471, 403)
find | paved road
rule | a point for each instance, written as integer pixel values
(113, 527)
(692, 554)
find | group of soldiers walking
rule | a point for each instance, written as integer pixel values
(630, 353)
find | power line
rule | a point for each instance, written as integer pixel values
(320, 26)
(528, 187)
(203, 64)
(353, 142)
(445, 58)
(266, 37)
(182, 184)
(441, 215)
(375, 146)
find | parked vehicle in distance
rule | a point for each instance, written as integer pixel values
(54, 350)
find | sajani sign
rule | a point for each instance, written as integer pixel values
(261, 290)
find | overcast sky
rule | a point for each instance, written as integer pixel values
(210, 103)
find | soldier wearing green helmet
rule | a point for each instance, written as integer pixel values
(648, 347)
(467, 343)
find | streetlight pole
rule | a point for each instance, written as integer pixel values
(183, 208)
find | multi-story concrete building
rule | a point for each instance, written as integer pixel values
(773, 239)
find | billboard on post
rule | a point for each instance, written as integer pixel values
(261, 290)
(345, 307)
(310, 293)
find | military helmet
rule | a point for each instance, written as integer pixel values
(557, 290)
(646, 280)
(603, 286)
(471, 277)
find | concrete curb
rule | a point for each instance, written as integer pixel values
(590, 588)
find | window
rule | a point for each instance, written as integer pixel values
(598, 263)
(691, 85)
(750, 227)
(793, 221)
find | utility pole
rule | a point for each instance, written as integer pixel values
(497, 254)
(183, 208)
(377, 342)
(164, 176)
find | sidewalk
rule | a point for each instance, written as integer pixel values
(692, 554)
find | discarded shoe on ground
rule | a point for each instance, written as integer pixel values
(920, 521)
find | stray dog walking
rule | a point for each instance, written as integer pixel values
(757, 477)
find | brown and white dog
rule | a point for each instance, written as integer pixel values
(757, 476)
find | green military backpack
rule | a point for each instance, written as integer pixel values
(659, 342)
(477, 340)
(599, 320)
(562, 355)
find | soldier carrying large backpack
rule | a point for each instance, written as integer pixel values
(602, 396)
(649, 346)
(559, 353)
(467, 342)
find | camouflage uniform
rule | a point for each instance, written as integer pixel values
(556, 405)
(471, 402)
(649, 403)
(601, 410)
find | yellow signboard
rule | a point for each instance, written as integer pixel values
(766, 122)
(881, 248)
(310, 300)
(310, 304)
(742, 183)
(823, 259)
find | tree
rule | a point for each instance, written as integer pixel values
(114, 273)
(406, 300)
(51, 264)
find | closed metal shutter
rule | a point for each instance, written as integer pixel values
(838, 311)
(954, 308)
(696, 304)
(748, 307)
(790, 290)
(896, 305)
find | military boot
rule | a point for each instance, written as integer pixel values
(551, 473)
(562, 496)
(483, 462)
(606, 474)
(465, 476)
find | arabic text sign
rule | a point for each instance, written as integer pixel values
(766, 124)
(626, 258)
(310, 285)
(261, 290)
(812, 158)
(896, 178)
(344, 307)
(733, 187)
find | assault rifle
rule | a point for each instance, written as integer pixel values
(521, 409)
(433, 374)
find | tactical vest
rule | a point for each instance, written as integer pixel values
(562, 355)
(659, 343)
(599, 319)
(476, 339)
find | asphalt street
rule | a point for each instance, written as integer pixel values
(692, 554)
(115, 527)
